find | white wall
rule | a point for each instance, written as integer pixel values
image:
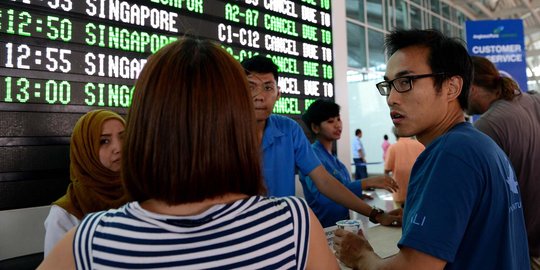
(361, 105)
(22, 231)
(369, 112)
(339, 34)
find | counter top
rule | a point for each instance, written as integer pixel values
(383, 239)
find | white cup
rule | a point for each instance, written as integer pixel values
(350, 225)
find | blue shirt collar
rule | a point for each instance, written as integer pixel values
(270, 132)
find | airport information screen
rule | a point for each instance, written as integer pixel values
(62, 58)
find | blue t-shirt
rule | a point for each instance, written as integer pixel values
(285, 148)
(463, 204)
(327, 211)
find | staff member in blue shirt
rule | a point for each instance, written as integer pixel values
(323, 120)
(285, 148)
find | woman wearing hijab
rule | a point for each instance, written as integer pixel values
(95, 154)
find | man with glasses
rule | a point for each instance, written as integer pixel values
(285, 148)
(463, 206)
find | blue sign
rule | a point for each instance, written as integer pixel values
(502, 42)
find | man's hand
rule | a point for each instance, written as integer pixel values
(354, 250)
(393, 218)
(383, 181)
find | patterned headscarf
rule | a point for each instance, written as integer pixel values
(93, 187)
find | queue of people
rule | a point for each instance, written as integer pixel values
(220, 194)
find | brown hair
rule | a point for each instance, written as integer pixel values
(191, 127)
(486, 75)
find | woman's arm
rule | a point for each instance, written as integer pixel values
(319, 254)
(61, 257)
(57, 224)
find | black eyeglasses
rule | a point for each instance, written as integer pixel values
(402, 84)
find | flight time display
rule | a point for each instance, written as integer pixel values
(62, 58)
(89, 53)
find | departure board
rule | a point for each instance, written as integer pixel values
(62, 58)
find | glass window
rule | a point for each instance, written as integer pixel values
(374, 13)
(447, 28)
(419, 2)
(460, 33)
(376, 49)
(435, 6)
(435, 22)
(356, 45)
(416, 17)
(401, 14)
(459, 18)
(355, 10)
(445, 10)
(390, 14)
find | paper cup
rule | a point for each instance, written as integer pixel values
(350, 225)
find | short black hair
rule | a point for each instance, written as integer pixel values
(260, 64)
(357, 131)
(320, 110)
(446, 54)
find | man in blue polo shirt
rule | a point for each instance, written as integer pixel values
(285, 148)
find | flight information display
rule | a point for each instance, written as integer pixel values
(62, 58)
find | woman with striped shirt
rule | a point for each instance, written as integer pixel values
(191, 162)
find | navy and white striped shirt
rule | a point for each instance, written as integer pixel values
(253, 233)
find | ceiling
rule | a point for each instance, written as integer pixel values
(528, 10)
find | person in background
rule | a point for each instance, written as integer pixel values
(95, 157)
(198, 201)
(385, 144)
(399, 162)
(359, 156)
(323, 120)
(512, 120)
(463, 207)
(285, 148)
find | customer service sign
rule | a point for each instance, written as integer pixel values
(502, 42)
